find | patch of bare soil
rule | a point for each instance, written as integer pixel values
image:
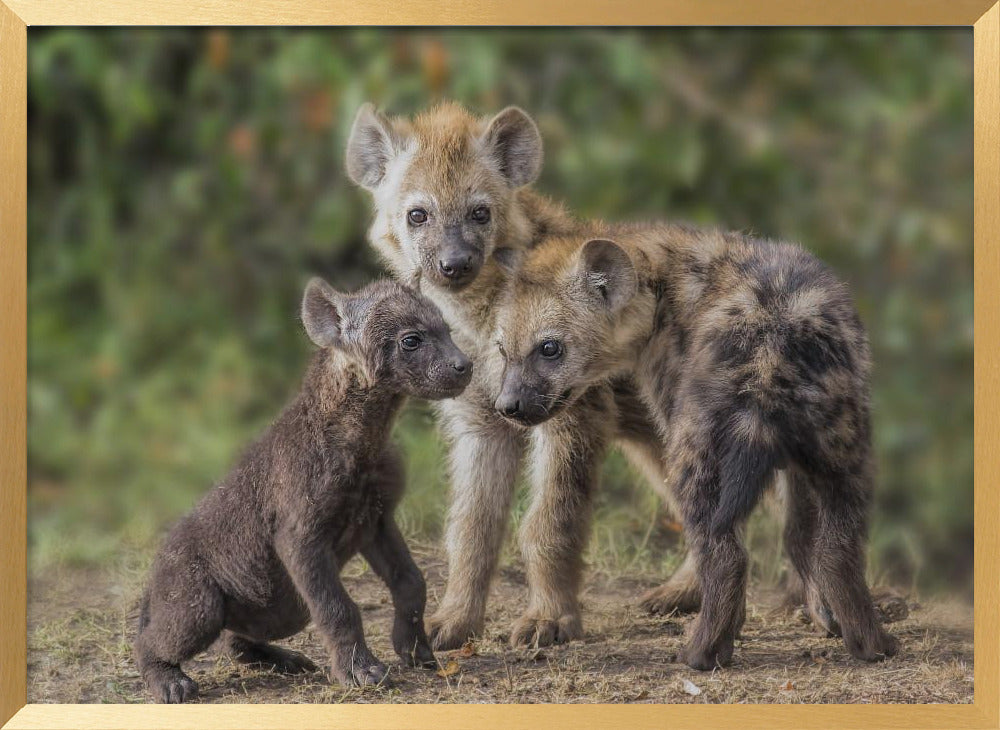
(81, 625)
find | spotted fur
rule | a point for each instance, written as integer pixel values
(753, 360)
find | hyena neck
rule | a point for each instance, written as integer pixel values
(675, 263)
(637, 322)
(536, 217)
(338, 397)
(471, 311)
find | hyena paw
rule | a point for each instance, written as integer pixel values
(875, 649)
(822, 619)
(414, 650)
(173, 687)
(890, 606)
(534, 631)
(422, 656)
(449, 631)
(667, 599)
(706, 658)
(360, 668)
(793, 595)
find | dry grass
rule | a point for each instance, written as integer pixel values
(81, 626)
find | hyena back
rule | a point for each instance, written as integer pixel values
(753, 360)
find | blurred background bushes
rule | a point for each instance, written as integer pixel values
(185, 183)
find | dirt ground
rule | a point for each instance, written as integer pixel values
(81, 625)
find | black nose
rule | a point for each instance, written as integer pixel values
(509, 408)
(462, 365)
(455, 266)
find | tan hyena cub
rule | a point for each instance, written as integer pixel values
(453, 207)
(753, 360)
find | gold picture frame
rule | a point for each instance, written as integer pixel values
(16, 15)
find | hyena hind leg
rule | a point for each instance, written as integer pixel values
(680, 594)
(801, 588)
(890, 606)
(723, 569)
(723, 476)
(801, 527)
(275, 658)
(182, 616)
(838, 566)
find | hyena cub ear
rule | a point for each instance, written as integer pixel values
(607, 272)
(372, 145)
(514, 140)
(321, 313)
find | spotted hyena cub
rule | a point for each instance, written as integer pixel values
(753, 360)
(260, 555)
(454, 209)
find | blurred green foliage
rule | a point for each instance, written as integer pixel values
(184, 184)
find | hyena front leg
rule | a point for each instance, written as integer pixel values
(682, 592)
(485, 459)
(565, 455)
(642, 444)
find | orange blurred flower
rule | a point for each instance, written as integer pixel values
(434, 59)
(317, 110)
(243, 141)
(218, 49)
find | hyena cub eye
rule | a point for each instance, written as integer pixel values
(410, 341)
(481, 214)
(417, 217)
(550, 349)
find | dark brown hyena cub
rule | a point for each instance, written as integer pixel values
(752, 358)
(260, 556)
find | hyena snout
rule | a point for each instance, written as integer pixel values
(461, 364)
(458, 260)
(454, 373)
(455, 266)
(522, 404)
(509, 407)
(456, 269)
